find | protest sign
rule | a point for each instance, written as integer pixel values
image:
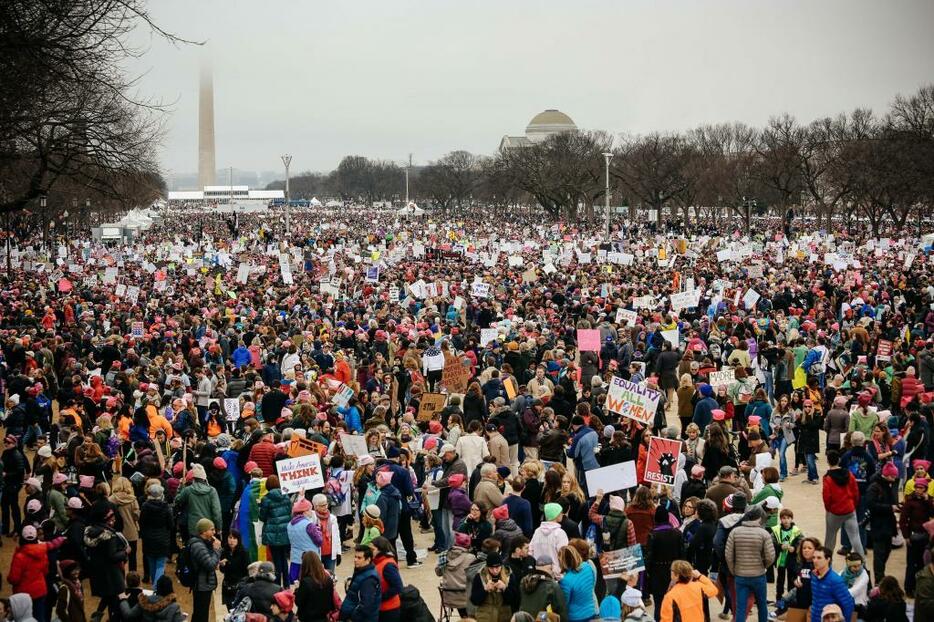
(751, 298)
(132, 293)
(372, 274)
(285, 269)
(354, 445)
(480, 290)
(300, 474)
(628, 560)
(662, 460)
(763, 461)
(394, 293)
(137, 329)
(429, 404)
(626, 317)
(243, 273)
(724, 377)
(588, 339)
(632, 400)
(342, 395)
(455, 376)
(232, 408)
(884, 351)
(529, 276)
(611, 478)
(110, 276)
(487, 335)
(673, 337)
(299, 446)
(685, 300)
(512, 389)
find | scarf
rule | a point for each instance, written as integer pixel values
(849, 577)
(324, 517)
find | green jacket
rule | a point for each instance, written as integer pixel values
(767, 491)
(199, 501)
(538, 590)
(791, 536)
(57, 505)
(275, 510)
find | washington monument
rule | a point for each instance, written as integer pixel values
(206, 167)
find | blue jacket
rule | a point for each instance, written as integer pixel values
(241, 357)
(351, 415)
(364, 596)
(390, 505)
(827, 590)
(578, 586)
(582, 449)
(703, 412)
(401, 479)
(520, 510)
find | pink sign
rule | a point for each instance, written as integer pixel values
(588, 340)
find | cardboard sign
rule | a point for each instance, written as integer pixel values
(884, 351)
(232, 408)
(300, 474)
(512, 389)
(137, 329)
(685, 300)
(632, 400)
(628, 560)
(662, 460)
(455, 376)
(611, 478)
(588, 339)
(354, 445)
(625, 317)
(299, 446)
(243, 273)
(723, 377)
(429, 404)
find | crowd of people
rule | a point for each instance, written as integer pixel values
(154, 389)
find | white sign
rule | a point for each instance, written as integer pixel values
(487, 335)
(751, 298)
(673, 337)
(110, 276)
(480, 290)
(632, 400)
(132, 293)
(285, 269)
(611, 478)
(354, 445)
(720, 378)
(243, 273)
(232, 408)
(626, 317)
(300, 474)
(685, 300)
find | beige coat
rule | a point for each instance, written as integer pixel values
(127, 507)
(499, 449)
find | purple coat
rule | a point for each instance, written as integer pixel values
(459, 503)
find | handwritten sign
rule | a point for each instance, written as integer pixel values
(232, 408)
(487, 335)
(429, 404)
(480, 290)
(354, 445)
(300, 474)
(625, 317)
(632, 400)
(455, 376)
(724, 377)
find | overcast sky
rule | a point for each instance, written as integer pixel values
(321, 80)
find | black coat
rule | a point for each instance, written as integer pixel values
(107, 556)
(809, 435)
(880, 497)
(663, 547)
(474, 409)
(155, 528)
(314, 602)
(261, 590)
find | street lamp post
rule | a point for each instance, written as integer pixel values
(606, 233)
(87, 210)
(74, 210)
(287, 160)
(42, 219)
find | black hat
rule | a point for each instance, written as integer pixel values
(493, 559)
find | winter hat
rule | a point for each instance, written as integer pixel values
(392, 452)
(493, 559)
(456, 480)
(430, 443)
(203, 525)
(365, 460)
(164, 586)
(435, 427)
(249, 466)
(610, 608)
(198, 471)
(222, 441)
(285, 600)
(372, 511)
(754, 420)
(45, 451)
(890, 470)
(301, 506)
(631, 598)
(864, 398)
(921, 484)
(34, 505)
(608, 431)
(220, 463)
(921, 464)
(463, 540)
(839, 401)
(552, 510)
(772, 503)
(706, 390)
(177, 469)
(155, 491)
(189, 477)
(661, 516)
(59, 478)
(718, 414)
(501, 513)
(29, 533)
(617, 503)
(75, 503)
(503, 472)
(34, 482)
(383, 478)
(832, 609)
(697, 471)
(447, 448)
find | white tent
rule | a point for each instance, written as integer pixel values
(315, 202)
(411, 210)
(334, 203)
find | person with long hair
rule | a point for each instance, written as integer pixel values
(578, 582)
(314, 596)
(572, 492)
(889, 604)
(718, 451)
(808, 439)
(234, 562)
(641, 511)
(686, 392)
(798, 595)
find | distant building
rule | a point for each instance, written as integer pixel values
(225, 194)
(542, 125)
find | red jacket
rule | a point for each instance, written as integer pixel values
(30, 565)
(264, 455)
(841, 493)
(910, 388)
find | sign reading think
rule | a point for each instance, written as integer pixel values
(455, 376)
(300, 474)
(662, 460)
(429, 404)
(632, 400)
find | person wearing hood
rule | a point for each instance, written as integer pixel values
(506, 529)
(21, 608)
(452, 568)
(494, 591)
(549, 538)
(160, 606)
(222, 480)
(70, 601)
(155, 530)
(124, 500)
(703, 410)
(664, 546)
(749, 553)
(632, 607)
(204, 549)
(107, 556)
(29, 568)
(389, 504)
(841, 499)
(539, 590)
(260, 589)
(199, 499)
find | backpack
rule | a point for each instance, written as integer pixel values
(414, 608)
(614, 533)
(335, 492)
(184, 571)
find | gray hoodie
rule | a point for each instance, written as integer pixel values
(21, 608)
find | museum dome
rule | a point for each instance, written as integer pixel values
(549, 122)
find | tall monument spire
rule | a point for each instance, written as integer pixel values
(206, 164)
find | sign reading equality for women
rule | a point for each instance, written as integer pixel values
(299, 474)
(632, 400)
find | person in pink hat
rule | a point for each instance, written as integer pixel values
(304, 536)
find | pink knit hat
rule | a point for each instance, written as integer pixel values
(383, 478)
